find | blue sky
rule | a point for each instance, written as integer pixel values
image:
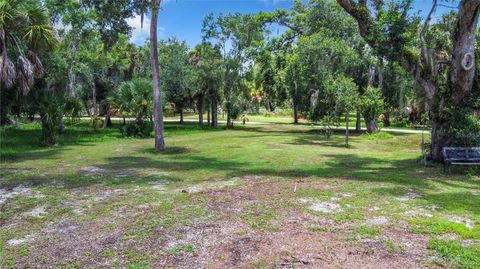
(183, 18)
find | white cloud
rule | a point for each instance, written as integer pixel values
(140, 34)
(272, 2)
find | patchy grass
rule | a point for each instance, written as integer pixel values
(99, 198)
(261, 217)
(366, 231)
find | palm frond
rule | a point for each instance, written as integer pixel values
(25, 74)
(7, 71)
(36, 62)
(39, 36)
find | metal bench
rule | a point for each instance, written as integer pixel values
(460, 156)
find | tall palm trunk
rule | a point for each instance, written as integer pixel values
(157, 100)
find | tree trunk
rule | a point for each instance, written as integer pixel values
(181, 115)
(358, 123)
(108, 121)
(229, 123)
(462, 66)
(157, 99)
(440, 139)
(4, 120)
(371, 125)
(94, 100)
(200, 110)
(386, 119)
(295, 114)
(347, 122)
(89, 112)
(208, 114)
(214, 114)
(61, 127)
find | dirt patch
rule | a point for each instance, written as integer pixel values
(225, 239)
(326, 207)
(461, 220)
(319, 206)
(410, 194)
(209, 185)
(378, 221)
(10, 193)
(92, 170)
(37, 212)
(421, 211)
(159, 185)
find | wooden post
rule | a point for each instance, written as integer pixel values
(346, 129)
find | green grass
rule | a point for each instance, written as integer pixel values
(456, 255)
(287, 118)
(366, 231)
(180, 249)
(376, 170)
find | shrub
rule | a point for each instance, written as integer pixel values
(137, 129)
(466, 131)
(51, 118)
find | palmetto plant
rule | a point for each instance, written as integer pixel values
(24, 31)
(134, 98)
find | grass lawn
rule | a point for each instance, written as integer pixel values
(252, 197)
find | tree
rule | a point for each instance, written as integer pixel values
(177, 74)
(206, 60)
(326, 41)
(112, 17)
(243, 33)
(157, 97)
(296, 85)
(390, 31)
(371, 106)
(345, 93)
(25, 31)
(267, 68)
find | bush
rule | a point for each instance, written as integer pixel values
(371, 103)
(137, 129)
(51, 118)
(378, 136)
(466, 131)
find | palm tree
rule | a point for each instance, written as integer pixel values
(24, 31)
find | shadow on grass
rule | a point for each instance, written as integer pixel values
(24, 144)
(168, 151)
(348, 167)
(20, 144)
(185, 164)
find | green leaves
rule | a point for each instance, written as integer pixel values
(176, 72)
(134, 97)
(371, 103)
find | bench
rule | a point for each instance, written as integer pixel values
(460, 156)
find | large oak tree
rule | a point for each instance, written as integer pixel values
(422, 62)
